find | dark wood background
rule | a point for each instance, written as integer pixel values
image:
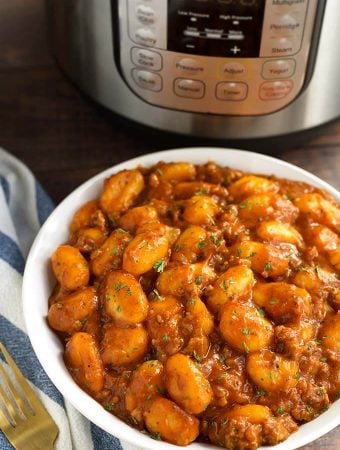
(65, 138)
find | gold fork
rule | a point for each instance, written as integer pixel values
(23, 419)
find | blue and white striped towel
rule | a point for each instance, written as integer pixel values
(24, 206)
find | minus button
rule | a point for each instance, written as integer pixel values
(213, 35)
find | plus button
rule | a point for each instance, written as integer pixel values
(235, 50)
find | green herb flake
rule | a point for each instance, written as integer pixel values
(268, 266)
(59, 305)
(120, 230)
(318, 341)
(159, 172)
(280, 410)
(115, 251)
(273, 301)
(154, 295)
(251, 255)
(260, 393)
(261, 311)
(198, 279)
(288, 197)
(191, 302)
(245, 331)
(108, 406)
(215, 240)
(201, 244)
(159, 265)
(270, 375)
(245, 347)
(165, 338)
(196, 357)
(239, 251)
(296, 376)
(320, 392)
(129, 292)
(318, 270)
(201, 191)
(119, 286)
(303, 269)
(243, 205)
(119, 308)
(159, 389)
(156, 436)
(214, 424)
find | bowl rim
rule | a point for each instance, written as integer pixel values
(80, 399)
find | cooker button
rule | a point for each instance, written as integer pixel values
(189, 66)
(146, 14)
(282, 47)
(189, 88)
(233, 70)
(231, 91)
(279, 68)
(274, 90)
(147, 80)
(145, 36)
(285, 23)
(146, 58)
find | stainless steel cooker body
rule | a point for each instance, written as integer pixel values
(120, 53)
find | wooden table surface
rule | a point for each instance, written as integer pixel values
(65, 138)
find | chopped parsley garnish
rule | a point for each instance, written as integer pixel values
(245, 331)
(154, 295)
(108, 406)
(215, 240)
(165, 338)
(191, 302)
(242, 205)
(318, 341)
(115, 251)
(273, 301)
(201, 244)
(260, 392)
(119, 308)
(196, 357)
(318, 270)
(156, 436)
(245, 347)
(119, 286)
(268, 266)
(280, 410)
(201, 191)
(198, 279)
(261, 311)
(159, 265)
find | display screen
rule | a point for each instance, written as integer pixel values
(230, 28)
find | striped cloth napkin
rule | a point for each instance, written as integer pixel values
(24, 206)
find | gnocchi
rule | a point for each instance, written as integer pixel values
(202, 302)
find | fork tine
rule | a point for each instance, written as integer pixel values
(18, 400)
(11, 413)
(28, 391)
(4, 422)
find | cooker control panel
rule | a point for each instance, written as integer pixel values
(233, 57)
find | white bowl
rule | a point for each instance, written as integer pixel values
(38, 279)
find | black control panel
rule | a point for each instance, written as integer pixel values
(229, 28)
